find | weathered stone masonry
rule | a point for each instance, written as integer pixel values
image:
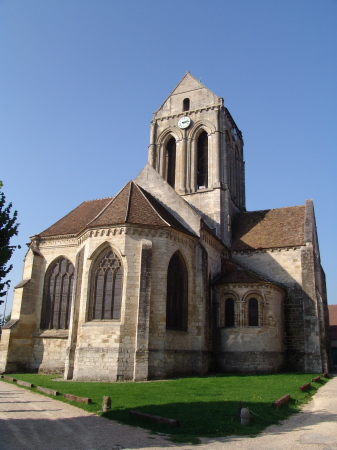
(173, 276)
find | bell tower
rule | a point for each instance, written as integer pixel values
(197, 148)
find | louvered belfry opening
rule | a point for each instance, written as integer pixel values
(202, 160)
(229, 312)
(253, 312)
(177, 294)
(106, 296)
(58, 295)
(171, 162)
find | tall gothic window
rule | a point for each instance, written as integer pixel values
(229, 313)
(202, 160)
(171, 162)
(106, 295)
(237, 175)
(186, 104)
(253, 312)
(177, 298)
(57, 295)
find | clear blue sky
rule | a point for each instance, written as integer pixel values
(80, 79)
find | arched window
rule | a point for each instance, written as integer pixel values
(186, 104)
(253, 312)
(237, 175)
(202, 160)
(106, 294)
(171, 162)
(177, 298)
(229, 313)
(57, 295)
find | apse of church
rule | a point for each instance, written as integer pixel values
(172, 276)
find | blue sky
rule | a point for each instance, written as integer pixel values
(80, 79)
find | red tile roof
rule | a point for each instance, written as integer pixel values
(333, 314)
(283, 227)
(77, 219)
(131, 205)
(233, 273)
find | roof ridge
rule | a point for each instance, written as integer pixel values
(105, 207)
(113, 198)
(127, 212)
(153, 208)
(271, 209)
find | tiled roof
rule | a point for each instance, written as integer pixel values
(131, 205)
(77, 219)
(283, 227)
(333, 314)
(135, 205)
(164, 213)
(233, 273)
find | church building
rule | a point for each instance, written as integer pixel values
(172, 276)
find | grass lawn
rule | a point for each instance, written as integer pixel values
(204, 406)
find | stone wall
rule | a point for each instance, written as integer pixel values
(245, 348)
(49, 352)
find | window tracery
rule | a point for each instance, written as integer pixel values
(106, 295)
(57, 295)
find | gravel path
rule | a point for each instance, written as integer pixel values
(33, 421)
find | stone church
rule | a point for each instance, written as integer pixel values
(172, 276)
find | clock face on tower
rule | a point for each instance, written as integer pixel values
(184, 122)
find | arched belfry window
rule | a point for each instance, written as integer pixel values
(171, 162)
(57, 297)
(186, 104)
(202, 160)
(106, 293)
(177, 295)
(253, 312)
(229, 313)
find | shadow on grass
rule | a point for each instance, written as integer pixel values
(209, 419)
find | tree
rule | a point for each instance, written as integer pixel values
(8, 229)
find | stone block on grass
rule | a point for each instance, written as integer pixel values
(281, 401)
(25, 383)
(75, 398)
(47, 390)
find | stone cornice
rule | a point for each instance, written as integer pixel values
(138, 231)
(254, 286)
(186, 113)
(265, 250)
(60, 241)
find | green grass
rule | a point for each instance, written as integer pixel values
(204, 406)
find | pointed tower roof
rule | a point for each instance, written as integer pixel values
(188, 86)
